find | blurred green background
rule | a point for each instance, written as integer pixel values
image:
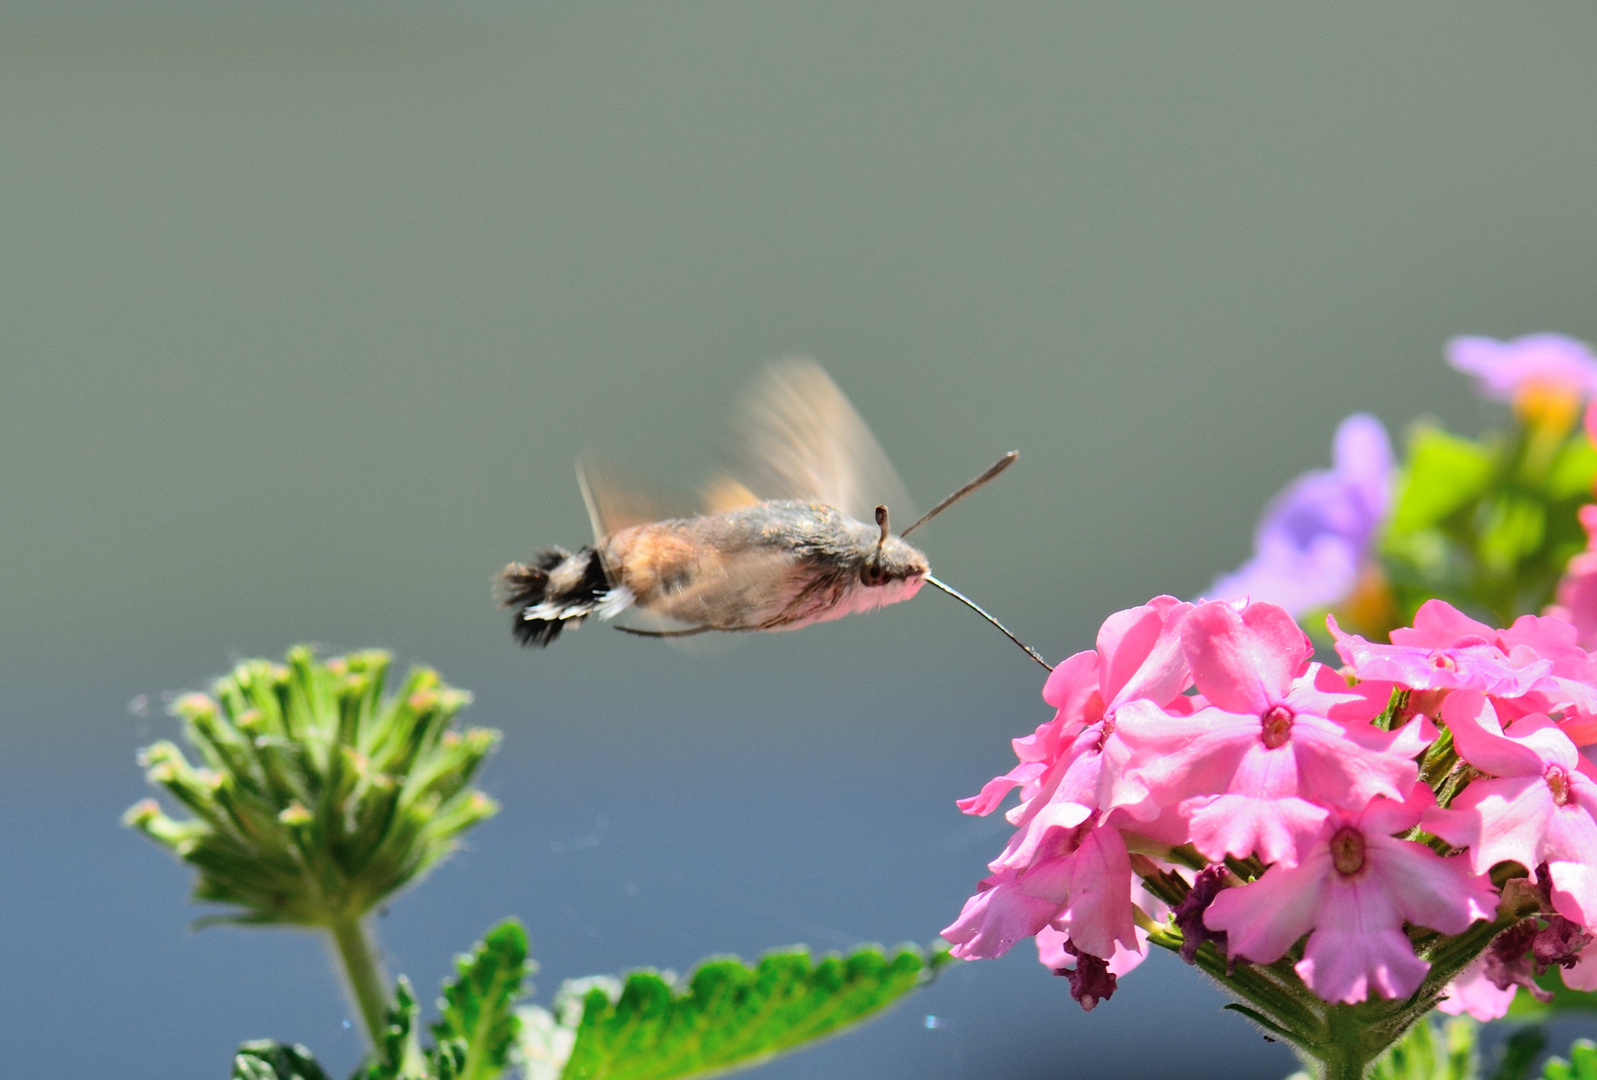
(306, 309)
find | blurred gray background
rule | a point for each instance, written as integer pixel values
(307, 308)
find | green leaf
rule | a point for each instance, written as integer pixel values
(1574, 470)
(730, 1016)
(268, 1060)
(1444, 475)
(1431, 1051)
(398, 1055)
(1512, 528)
(1582, 1063)
(477, 1005)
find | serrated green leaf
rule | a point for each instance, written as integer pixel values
(731, 1016)
(1582, 1063)
(478, 1004)
(1443, 475)
(398, 1055)
(268, 1060)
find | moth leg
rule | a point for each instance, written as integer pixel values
(691, 631)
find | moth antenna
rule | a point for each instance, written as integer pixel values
(998, 466)
(977, 608)
(881, 523)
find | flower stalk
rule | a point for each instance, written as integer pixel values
(1341, 1040)
(363, 973)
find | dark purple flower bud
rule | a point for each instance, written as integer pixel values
(1090, 980)
(1527, 949)
(1508, 959)
(1189, 913)
(1559, 942)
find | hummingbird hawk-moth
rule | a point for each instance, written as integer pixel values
(800, 535)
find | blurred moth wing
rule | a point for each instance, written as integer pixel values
(662, 545)
(617, 498)
(800, 438)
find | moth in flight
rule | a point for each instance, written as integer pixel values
(800, 536)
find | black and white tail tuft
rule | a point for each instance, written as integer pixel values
(555, 590)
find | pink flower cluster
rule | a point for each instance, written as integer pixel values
(1205, 735)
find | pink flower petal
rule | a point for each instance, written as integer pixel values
(1481, 667)
(1052, 955)
(993, 792)
(1237, 825)
(1546, 740)
(1174, 757)
(1161, 671)
(1124, 641)
(1472, 993)
(1503, 368)
(1262, 920)
(1098, 914)
(1071, 683)
(1498, 820)
(1481, 742)
(1244, 661)
(1348, 766)
(1044, 835)
(1347, 964)
(995, 919)
(1574, 890)
(1386, 817)
(1426, 889)
(1440, 625)
(1583, 976)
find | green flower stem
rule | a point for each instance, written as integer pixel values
(367, 983)
(1346, 1053)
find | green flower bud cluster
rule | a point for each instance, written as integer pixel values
(316, 797)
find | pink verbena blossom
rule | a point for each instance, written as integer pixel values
(1315, 537)
(1280, 743)
(1536, 807)
(1503, 369)
(1351, 893)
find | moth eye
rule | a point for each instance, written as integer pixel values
(873, 575)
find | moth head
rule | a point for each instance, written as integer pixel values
(890, 559)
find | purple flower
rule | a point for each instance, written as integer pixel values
(1314, 537)
(1546, 362)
